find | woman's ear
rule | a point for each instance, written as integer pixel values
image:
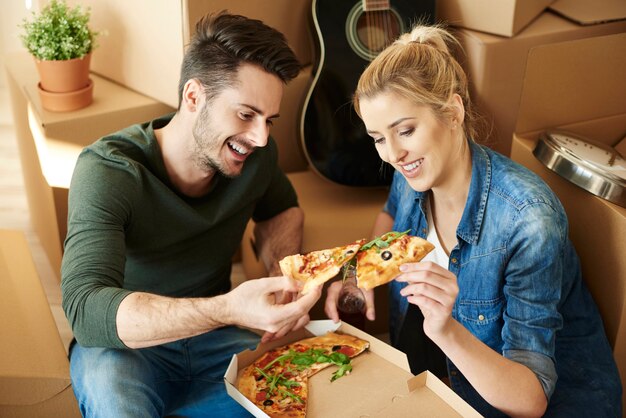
(458, 110)
(192, 92)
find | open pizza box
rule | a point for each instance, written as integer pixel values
(380, 384)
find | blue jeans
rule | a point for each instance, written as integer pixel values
(184, 378)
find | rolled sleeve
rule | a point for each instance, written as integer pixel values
(542, 366)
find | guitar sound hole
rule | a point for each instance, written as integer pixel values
(368, 33)
(376, 30)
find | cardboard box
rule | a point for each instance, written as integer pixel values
(286, 128)
(380, 384)
(34, 369)
(49, 142)
(153, 50)
(579, 86)
(496, 65)
(500, 17)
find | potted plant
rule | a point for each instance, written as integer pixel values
(60, 40)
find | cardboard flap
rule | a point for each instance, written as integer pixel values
(441, 389)
(564, 82)
(586, 12)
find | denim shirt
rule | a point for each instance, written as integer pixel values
(520, 286)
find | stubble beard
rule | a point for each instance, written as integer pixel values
(206, 143)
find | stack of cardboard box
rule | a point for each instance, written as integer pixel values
(497, 36)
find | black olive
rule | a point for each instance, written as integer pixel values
(259, 377)
(386, 255)
(268, 402)
(349, 252)
(336, 347)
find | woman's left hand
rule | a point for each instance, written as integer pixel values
(433, 289)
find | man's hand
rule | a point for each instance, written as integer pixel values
(270, 304)
(332, 298)
(284, 297)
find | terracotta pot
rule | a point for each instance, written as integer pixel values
(67, 101)
(64, 75)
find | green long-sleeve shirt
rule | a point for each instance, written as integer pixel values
(130, 230)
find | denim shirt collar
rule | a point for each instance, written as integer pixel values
(473, 214)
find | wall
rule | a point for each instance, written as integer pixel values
(13, 12)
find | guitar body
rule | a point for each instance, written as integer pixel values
(333, 135)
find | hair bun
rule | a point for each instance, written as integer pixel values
(434, 36)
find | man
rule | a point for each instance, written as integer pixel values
(156, 212)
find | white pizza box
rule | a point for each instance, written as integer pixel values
(380, 384)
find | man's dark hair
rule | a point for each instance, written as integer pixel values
(223, 41)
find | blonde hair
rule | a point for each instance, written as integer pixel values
(420, 67)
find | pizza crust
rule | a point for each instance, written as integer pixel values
(247, 384)
(332, 339)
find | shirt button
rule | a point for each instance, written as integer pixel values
(454, 260)
(453, 373)
(481, 317)
(424, 231)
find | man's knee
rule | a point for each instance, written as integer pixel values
(106, 365)
(120, 382)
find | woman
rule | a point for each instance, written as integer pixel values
(499, 307)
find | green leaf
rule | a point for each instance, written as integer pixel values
(342, 371)
(292, 395)
(339, 358)
(384, 240)
(58, 32)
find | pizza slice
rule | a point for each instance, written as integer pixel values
(378, 262)
(317, 267)
(277, 382)
(328, 349)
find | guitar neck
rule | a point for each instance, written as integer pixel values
(375, 5)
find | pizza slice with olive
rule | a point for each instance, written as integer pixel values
(317, 267)
(378, 262)
(277, 382)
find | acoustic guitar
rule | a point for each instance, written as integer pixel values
(350, 35)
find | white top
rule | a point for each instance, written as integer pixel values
(438, 255)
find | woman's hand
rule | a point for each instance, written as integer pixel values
(434, 290)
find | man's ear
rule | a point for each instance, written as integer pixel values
(458, 109)
(192, 94)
